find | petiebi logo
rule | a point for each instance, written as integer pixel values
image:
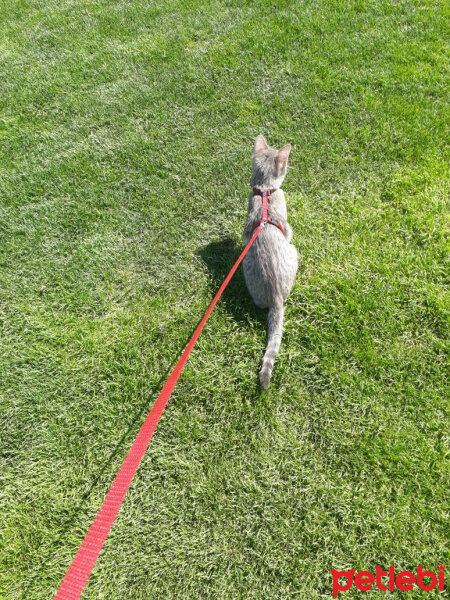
(405, 580)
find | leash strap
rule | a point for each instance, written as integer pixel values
(265, 213)
(76, 578)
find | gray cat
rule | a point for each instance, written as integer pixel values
(271, 263)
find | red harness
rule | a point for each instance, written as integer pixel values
(265, 215)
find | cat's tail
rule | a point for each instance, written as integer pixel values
(275, 330)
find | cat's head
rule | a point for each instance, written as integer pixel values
(269, 166)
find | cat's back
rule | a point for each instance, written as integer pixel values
(270, 266)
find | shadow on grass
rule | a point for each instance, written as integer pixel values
(219, 257)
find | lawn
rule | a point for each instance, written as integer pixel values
(126, 132)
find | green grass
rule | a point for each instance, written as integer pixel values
(126, 130)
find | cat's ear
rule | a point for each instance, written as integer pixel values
(283, 154)
(260, 144)
(282, 158)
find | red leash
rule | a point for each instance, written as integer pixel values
(75, 580)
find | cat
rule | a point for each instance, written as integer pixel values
(271, 263)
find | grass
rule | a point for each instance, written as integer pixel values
(126, 130)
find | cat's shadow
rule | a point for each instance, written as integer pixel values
(219, 257)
